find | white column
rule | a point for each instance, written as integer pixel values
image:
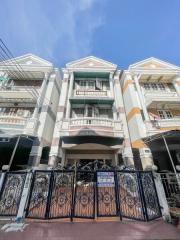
(41, 96)
(141, 99)
(176, 84)
(162, 197)
(112, 95)
(127, 150)
(24, 197)
(68, 109)
(55, 151)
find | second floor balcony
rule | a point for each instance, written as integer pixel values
(17, 121)
(163, 119)
(91, 126)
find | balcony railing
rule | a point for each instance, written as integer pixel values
(14, 120)
(170, 122)
(92, 122)
(19, 92)
(22, 124)
(91, 93)
(151, 96)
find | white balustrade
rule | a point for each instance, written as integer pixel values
(92, 121)
(27, 91)
(170, 122)
(14, 120)
(162, 123)
(151, 96)
(99, 93)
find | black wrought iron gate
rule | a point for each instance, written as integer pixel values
(87, 194)
(11, 192)
(51, 195)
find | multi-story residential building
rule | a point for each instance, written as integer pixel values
(151, 93)
(29, 93)
(91, 123)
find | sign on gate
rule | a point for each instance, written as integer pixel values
(105, 179)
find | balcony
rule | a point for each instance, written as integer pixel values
(154, 126)
(18, 93)
(170, 122)
(91, 122)
(160, 96)
(91, 126)
(91, 93)
(20, 125)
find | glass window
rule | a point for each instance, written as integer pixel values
(161, 86)
(154, 86)
(91, 84)
(164, 114)
(147, 86)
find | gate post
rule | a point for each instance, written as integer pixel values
(162, 197)
(24, 197)
(2, 179)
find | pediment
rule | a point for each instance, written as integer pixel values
(91, 62)
(29, 60)
(153, 63)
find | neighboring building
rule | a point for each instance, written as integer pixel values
(151, 92)
(29, 93)
(91, 123)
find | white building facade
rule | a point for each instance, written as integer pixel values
(91, 123)
(151, 92)
(29, 92)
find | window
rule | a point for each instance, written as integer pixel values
(105, 113)
(154, 86)
(164, 114)
(147, 86)
(77, 112)
(161, 86)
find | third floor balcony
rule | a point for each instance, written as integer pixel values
(159, 92)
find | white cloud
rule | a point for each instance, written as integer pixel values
(50, 28)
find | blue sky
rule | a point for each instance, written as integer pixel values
(121, 31)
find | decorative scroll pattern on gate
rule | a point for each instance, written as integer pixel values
(107, 202)
(84, 200)
(10, 195)
(151, 201)
(130, 196)
(38, 201)
(83, 194)
(61, 198)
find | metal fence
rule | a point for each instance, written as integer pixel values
(83, 194)
(171, 187)
(11, 192)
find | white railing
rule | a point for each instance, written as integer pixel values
(170, 122)
(14, 120)
(99, 93)
(162, 123)
(92, 122)
(33, 91)
(151, 96)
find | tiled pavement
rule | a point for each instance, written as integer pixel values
(126, 230)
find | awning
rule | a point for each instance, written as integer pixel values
(108, 141)
(155, 142)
